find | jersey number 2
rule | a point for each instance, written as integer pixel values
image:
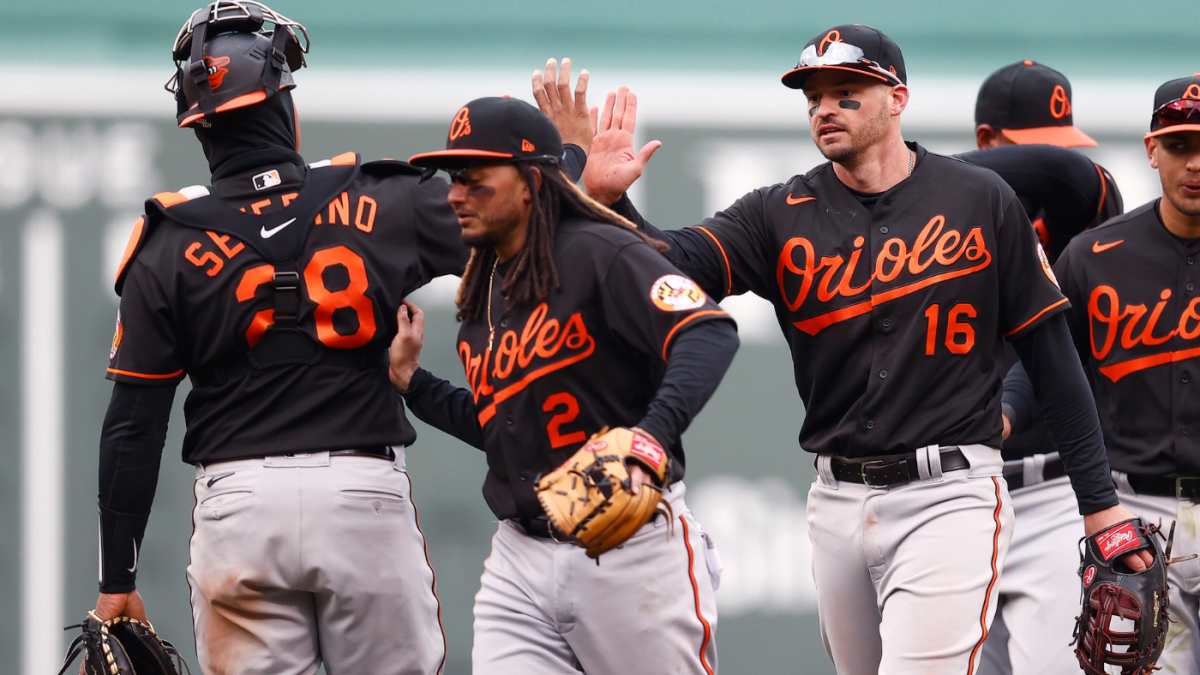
(554, 428)
(328, 302)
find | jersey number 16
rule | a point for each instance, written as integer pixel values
(328, 302)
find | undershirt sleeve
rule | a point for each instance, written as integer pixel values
(1070, 410)
(444, 406)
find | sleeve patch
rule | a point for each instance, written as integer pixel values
(675, 293)
(116, 341)
(1046, 266)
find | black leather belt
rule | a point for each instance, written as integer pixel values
(890, 470)
(1180, 487)
(1014, 472)
(536, 527)
(373, 451)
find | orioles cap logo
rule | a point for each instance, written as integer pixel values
(216, 70)
(830, 37)
(1060, 105)
(461, 126)
(526, 146)
(1193, 91)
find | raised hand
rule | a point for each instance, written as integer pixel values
(405, 351)
(576, 124)
(613, 165)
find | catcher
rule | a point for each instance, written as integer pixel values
(572, 322)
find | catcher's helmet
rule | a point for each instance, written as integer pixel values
(225, 59)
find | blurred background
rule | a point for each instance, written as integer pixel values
(87, 133)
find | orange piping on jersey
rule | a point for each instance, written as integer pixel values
(681, 324)
(1118, 370)
(130, 373)
(511, 390)
(343, 159)
(818, 323)
(1103, 189)
(1035, 317)
(169, 199)
(728, 270)
(696, 596)
(987, 598)
(134, 238)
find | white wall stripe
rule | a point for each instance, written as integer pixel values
(42, 423)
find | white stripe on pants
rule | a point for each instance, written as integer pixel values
(906, 576)
(298, 561)
(545, 608)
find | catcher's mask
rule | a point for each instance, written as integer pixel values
(225, 58)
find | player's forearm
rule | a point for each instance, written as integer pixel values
(444, 406)
(1070, 411)
(689, 251)
(131, 443)
(574, 161)
(1019, 399)
(698, 360)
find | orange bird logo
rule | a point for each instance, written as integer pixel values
(216, 70)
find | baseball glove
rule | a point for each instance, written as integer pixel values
(588, 498)
(122, 646)
(1112, 590)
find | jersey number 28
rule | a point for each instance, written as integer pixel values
(328, 302)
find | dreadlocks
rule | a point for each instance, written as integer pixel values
(533, 275)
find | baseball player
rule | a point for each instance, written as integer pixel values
(1135, 317)
(897, 275)
(571, 322)
(274, 290)
(1024, 125)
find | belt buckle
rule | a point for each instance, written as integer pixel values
(862, 472)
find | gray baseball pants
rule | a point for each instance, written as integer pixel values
(309, 559)
(545, 608)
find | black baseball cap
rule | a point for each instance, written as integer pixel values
(849, 47)
(1176, 107)
(1030, 103)
(495, 129)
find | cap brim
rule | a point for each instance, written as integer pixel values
(455, 158)
(1173, 129)
(794, 79)
(1064, 137)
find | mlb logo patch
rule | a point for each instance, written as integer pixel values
(267, 179)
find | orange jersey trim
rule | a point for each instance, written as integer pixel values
(1118, 370)
(987, 598)
(696, 596)
(681, 324)
(130, 373)
(1037, 316)
(511, 390)
(728, 270)
(818, 323)
(131, 246)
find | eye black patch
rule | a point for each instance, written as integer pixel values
(812, 111)
(849, 105)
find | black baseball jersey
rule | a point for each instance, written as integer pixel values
(281, 311)
(1135, 318)
(592, 355)
(895, 316)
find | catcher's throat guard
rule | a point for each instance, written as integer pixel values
(122, 646)
(1124, 618)
(589, 499)
(226, 58)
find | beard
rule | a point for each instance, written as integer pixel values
(872, 130)
(496, 226)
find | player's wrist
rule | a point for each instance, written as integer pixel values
(401, 375)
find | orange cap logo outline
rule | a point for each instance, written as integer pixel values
(1193, 91)
(461, 126)
(1060, 104)
(216, 70)
(830, 37)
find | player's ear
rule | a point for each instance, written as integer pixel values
(985, 136)
(536, 174)
(1152, 152)
(899, 98)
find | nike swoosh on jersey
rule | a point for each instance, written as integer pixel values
(1097, 247)
(135, 557)
(798, 200)
(267, 234)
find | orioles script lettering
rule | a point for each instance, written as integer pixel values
(1106, 316)
(925, 263)
(558, 343)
